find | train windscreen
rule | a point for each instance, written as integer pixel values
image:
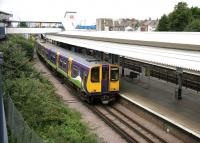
(95, 74)
(114, 74)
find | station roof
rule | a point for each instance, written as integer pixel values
(186, 59)
(175, 40)
(5, 13)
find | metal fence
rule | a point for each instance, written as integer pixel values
(20, 131)
(3, 129)
(2, 32)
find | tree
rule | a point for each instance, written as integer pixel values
(194, 26)
(180, 17)
(195, 12)
(163, 24)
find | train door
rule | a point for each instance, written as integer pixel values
(105, 78)
(69, 67)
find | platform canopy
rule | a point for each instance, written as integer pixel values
(174, 40)
(173, 57)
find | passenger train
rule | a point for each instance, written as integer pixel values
(93, 78)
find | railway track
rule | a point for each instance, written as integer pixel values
(128, 128)
(124, 125)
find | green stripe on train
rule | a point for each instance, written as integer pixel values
(73, 80)
(62, 72)
(51, 64)
(76, 81)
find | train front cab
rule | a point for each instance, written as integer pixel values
(110, 83)
(103, 82)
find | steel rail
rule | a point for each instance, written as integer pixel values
(141, 126)
(117, 128)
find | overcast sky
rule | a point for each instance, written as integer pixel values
(89, 10)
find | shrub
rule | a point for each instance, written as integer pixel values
(35, 97)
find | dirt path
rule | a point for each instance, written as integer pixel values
(96, 125)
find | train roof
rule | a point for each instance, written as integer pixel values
(85, 60)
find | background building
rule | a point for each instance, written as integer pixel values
(4, 17)
(125, 24)
(148, 25)
(104, 24)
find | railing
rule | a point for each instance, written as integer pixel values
(34, 24)
(20, 131)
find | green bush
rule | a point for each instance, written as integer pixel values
(27, 45)
(194, 26)
(35, 97)
(182, 18)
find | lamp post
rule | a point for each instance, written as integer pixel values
(179, 72)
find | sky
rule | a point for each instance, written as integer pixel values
(89, 10)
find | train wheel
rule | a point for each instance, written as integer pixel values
(82, 95)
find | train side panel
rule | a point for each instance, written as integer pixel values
(78, 76)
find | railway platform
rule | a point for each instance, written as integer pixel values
(158, 97)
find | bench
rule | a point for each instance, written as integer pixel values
(133, 74)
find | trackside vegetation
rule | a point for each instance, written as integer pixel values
(182, 18)
(35, 97)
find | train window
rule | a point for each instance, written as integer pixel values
(46, 54)
(84, 76)
(62, 63)
(75, 71)
(95, 74)
(43, 51)
(114, 74)
(53, 58)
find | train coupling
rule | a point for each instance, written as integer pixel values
(105, 99)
